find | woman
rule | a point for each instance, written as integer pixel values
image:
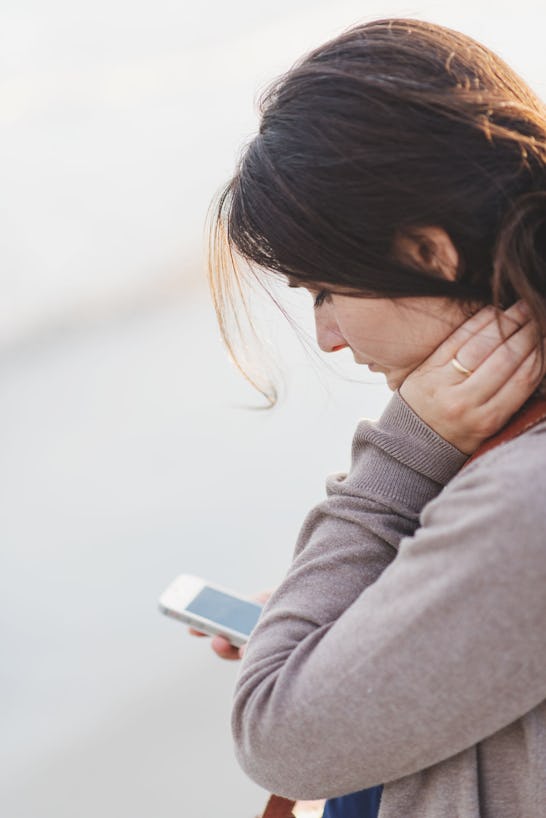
(399, 175)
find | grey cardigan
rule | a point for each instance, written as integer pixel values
(407, 644)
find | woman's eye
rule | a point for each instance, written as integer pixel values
(320, 298)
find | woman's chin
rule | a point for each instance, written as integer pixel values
(394, 380)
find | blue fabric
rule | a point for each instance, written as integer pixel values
(363, 804)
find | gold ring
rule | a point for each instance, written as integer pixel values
(456, 364)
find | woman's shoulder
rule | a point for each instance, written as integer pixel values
(510, 477)
(526, 453)
(498, 499)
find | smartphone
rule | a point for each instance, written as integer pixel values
(210, 608)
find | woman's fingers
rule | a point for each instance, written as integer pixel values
(482, 343)
(220, 645)
(480, 335)
(196, 633)
(453, 343)
(524, 381)
(262, 596)
(500, 387)
(504, 362)
(502, 352)
(224, 649)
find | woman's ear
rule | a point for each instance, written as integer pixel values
(429, 248)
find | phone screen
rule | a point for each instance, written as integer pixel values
(236, 614)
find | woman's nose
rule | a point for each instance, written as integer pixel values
(329, 338)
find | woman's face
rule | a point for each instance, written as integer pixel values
(392, 336)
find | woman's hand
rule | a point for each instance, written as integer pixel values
(220, 645)
(467, 409)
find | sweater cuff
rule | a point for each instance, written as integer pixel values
(402, 434)
(399, 458)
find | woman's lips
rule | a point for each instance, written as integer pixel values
(370, 364)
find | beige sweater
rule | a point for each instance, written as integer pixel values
(407, 643)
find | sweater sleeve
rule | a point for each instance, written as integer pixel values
(340, 691)
(398, 465)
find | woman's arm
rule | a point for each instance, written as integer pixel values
(444, 649)
(351, 537)
(398, 465)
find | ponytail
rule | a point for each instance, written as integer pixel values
(519, 261)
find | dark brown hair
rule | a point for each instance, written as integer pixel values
(393, 125)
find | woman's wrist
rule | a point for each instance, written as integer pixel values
(420, 444)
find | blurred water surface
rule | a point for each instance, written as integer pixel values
(128, 455)
(129, 458)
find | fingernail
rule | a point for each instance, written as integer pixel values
(524, 308)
